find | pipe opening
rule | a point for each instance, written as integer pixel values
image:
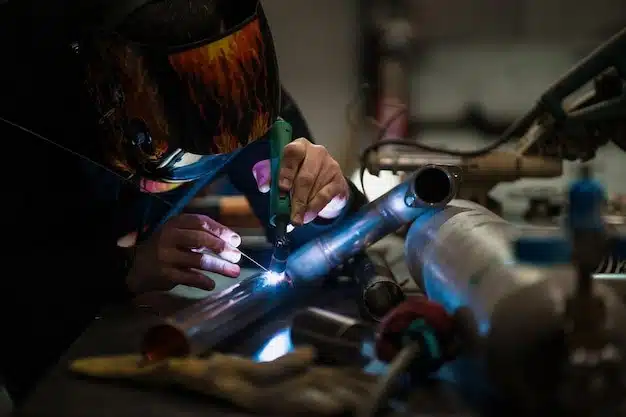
(433, 185)
(164, 341)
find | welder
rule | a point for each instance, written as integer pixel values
(170, 94)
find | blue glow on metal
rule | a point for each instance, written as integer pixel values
(279, 345)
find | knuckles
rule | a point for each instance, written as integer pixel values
(296, 149)
(318, 148)
(334, 166)
(305, 180)
(325, 195)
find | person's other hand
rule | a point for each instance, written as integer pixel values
(312, 176)
(180, 251)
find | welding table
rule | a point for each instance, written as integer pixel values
(118, 330)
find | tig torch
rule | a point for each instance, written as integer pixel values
(202, 326)
(280, 201)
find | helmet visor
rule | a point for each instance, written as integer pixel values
(164, 109)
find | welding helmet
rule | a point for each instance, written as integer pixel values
(166, 112)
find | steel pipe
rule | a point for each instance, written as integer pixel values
(429, 189)
(462, 257)
(200, 327)
(496, 166)
(485, 272)
(379, 290)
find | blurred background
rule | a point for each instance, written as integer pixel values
(465, 69)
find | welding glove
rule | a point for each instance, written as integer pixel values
(290, 385)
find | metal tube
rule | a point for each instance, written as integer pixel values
(485, 272)
(407, 160)
(337, 339)
(496, 166)
(198, 328)
(463, 258)
(428, 189)
(380, 292)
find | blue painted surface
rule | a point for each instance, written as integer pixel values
(542, 250)
(586, 198)
(586, 202)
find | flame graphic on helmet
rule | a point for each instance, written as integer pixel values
(229, 85)
(229, 80)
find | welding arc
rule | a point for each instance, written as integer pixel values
(126, 180)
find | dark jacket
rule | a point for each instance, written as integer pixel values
(63, 215)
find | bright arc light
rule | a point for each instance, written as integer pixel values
(274, 278)
(279, 345)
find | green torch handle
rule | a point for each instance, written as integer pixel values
(280, 202)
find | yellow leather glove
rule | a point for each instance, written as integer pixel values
(290, 385)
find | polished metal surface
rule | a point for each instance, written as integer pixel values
(462, 243)
(462, 256)
(427, 190)
(198, 328)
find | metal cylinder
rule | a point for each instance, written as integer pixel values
(462, 243)
(335, 337)
(200, 327)
(527, 353)
(407, 161)
(497, 165)
(463, 257)
(465, 244)
(428, 189)
(380, 292)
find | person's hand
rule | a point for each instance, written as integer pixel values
(312, 176)
(180, 251)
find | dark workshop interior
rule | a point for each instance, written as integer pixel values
(368, 208)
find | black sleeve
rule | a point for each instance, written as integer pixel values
(66, 264)
(56, 222)
(239, 172)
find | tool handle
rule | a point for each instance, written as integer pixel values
(280, 202)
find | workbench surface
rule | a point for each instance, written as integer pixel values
(119, 329)
(62, 394)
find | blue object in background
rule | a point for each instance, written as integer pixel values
(544, 250)
(587, 199)
(585, 212)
